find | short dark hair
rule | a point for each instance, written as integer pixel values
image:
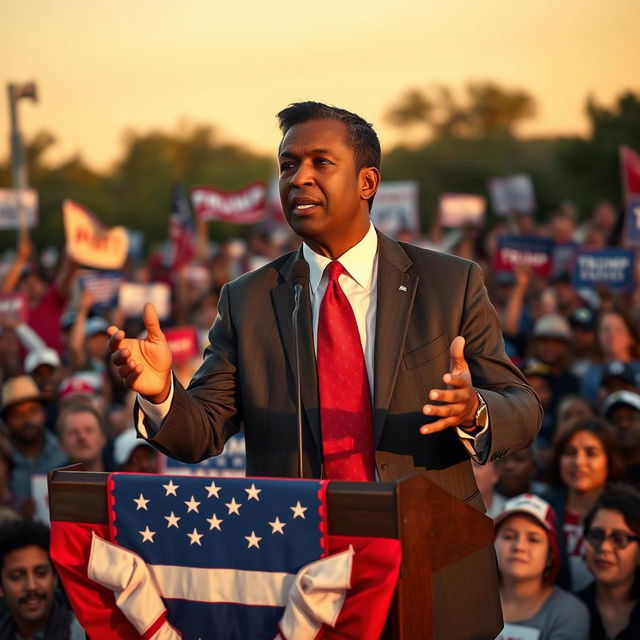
(23, 533)
(361, 137)
(625, 500)
(603, 431)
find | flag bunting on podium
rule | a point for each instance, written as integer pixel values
(246, 557)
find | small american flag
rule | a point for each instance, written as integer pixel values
(181, 230)
(224, 552)
(103, 286)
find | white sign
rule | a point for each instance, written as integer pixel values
(513, 194)
(133, 296)
(458, 209)
(40, 496)
(395, 207)
(89, 242)
(15, 203)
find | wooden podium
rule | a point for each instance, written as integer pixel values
(448, 581)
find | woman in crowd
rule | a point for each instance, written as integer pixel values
(528, 561)
(618, 341)
(584, 459)
(612, 535)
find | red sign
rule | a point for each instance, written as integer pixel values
(246, 206)
(183, 342)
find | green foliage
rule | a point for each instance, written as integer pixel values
(137, 191)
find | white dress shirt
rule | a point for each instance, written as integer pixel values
(360, 284)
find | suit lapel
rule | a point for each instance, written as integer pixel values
(283, 302)
(396, 292)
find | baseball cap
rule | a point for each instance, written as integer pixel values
(534, 367)
(583, 318)
(552, 325)
(624, 397)
(36, 357)
(82, 383)
(618, 369)
(125, 443)
(95, 325)
(540, 510)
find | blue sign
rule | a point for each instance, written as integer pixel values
(231, 462)
(632, 221)
(613, 267)
(524, 251)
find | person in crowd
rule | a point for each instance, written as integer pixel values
(34, 448)
(82, 436)
(538, 375)
(619, 342)
(553, 345)
(571, 407)
(486, 476)
(517, 474)
(134, 455)
(528, 561)
(28, 585)
(46, 303)
(612, 535)
(585, 352)
(585, 458)
(44, 366)
(89, 387)
(8, 502)
(617, 376)
(622, 409)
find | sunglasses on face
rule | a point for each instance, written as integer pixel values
(619, 539)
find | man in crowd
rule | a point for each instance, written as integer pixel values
(622, 409)
(28, 584)
(35, 449)
(82, 436)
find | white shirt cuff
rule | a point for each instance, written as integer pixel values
(478, 444)
(155, 413)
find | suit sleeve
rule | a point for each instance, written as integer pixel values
(206, 414)
(515, 412)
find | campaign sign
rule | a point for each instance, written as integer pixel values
(531, 251)
(613, 267)
(458, 209)
(395, 207)
(513, 194)
(632, 221)
(17, 207)
(183, 343)
(133, 296)
(13, 306)
(246, 206)
(89, 242)
(230, 463)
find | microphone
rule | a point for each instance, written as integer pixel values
(300, 276)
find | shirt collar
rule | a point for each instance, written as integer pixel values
(357, 261)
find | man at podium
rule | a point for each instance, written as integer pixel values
(401, 359)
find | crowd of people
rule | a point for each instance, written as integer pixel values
(567, 510)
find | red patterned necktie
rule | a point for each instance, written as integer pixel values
(345, 398)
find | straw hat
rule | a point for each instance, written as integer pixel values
(19, 389)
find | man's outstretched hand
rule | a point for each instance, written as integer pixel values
(458, 403)
(143, 364)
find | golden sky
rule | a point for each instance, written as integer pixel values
(104, 66)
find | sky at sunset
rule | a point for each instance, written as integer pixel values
(103, 66)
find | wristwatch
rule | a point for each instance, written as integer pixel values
(480, 418)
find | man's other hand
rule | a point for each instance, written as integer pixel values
(144, 365)
(458, 403)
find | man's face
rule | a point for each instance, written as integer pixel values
(325, 200)
(27, 582)
(25, 421)
(81, 437)
(626, 420)
(549, 350)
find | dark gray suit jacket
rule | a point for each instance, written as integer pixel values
(425, 299)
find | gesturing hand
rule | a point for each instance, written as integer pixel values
(458, 403)
(144, 365)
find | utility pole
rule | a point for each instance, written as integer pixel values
(19, 176)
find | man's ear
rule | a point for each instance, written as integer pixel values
(369, 182)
